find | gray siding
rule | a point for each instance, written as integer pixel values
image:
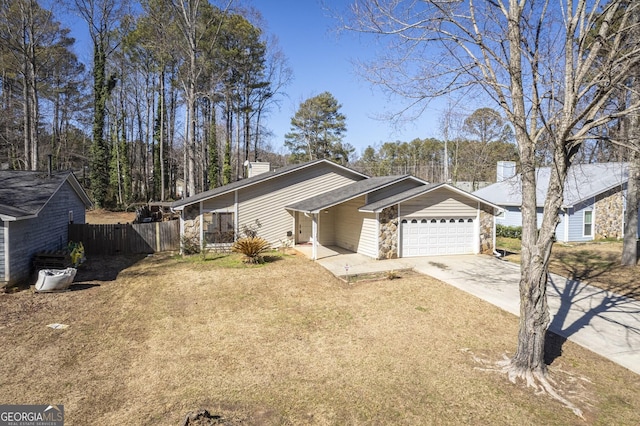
(397, 188)
(49, 231)
(356, 231)
(266, 201)
(513, 217)
(576, 222)
(439, 203)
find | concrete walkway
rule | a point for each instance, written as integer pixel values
(603, 322)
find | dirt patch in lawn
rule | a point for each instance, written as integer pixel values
(282, 343)
(596, 263)
(106, 217)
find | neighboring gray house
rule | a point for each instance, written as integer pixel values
(324, 204)
(594, 201)
(35, 211)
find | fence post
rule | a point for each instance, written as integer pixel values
(158, 249)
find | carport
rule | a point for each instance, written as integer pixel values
(395, 216)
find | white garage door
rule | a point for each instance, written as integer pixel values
(428, 237)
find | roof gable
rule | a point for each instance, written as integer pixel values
(346, 193)
(25, 193)
(263, 177)
(416, 192)
(584, 181)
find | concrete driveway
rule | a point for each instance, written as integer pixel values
(603, 322)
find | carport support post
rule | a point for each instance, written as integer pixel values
(314, 235)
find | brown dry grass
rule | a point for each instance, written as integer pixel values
(105, 217)
(596, 263)
(282, 343)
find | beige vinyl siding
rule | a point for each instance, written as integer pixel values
(266, 201)
(356, 231)
(327, 227)
(368, 244)
(224, 202)
(389, 191)
(439, 203)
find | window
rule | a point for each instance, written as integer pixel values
(588, 220)
(218, 227)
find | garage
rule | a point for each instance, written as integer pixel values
(437, 236)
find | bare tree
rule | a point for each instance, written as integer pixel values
(553, 68)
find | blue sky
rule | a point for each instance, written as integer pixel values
(321, 60)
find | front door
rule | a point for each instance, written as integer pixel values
(304, 229)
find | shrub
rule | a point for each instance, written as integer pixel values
(251, 231)
(252, 248)
(509, 231)
(190, 245)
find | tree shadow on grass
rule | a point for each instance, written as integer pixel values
(581, 303)
(105, 268)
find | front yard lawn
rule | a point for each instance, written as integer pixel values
(281, 343)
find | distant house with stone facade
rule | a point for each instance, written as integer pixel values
(593, 207)
(321, 203)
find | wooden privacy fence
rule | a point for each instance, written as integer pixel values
(127, 239)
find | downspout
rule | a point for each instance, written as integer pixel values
(477, 233)
(201, 226)
(7, 260)
(398, 234)
(565, 212)
(236, 218)
(314, 234)
(495, 252)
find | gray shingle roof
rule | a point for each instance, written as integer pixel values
(583, 182)
(252, 181)
(345, 193)
(25, 193)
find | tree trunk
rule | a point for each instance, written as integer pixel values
(632, 128)
(630, 242)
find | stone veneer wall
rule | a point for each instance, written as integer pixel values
(388, 238)
(486, 230)
(192, 222)
(608, 214)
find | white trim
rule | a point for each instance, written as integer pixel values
(476, 232)
(236, 215)
(377, 235)
(7, 262)
(398, 232)
(181, 231)
(566, 224)
(584, 213)
(201, 217)
(314, 236)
